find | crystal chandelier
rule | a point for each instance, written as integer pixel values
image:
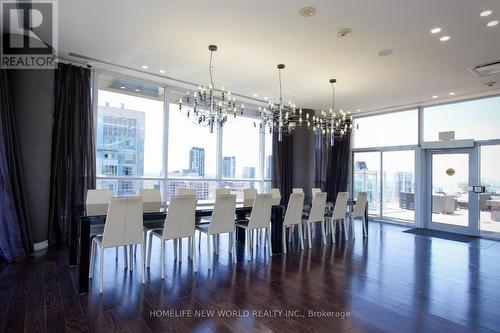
(333, 126)
(208, 108)
(281, 118)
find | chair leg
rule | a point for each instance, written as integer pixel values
(179, 258)
(150, 247)
(143, 261)
(233, 244)
(92, 259)
(199, 238)
(284, 238)
(309, 234)
(193, 254)
(190, 248)
(125, 256)
(116, 253)
(353, 232)
(248, 240)
(175, 249)
(230, 244)
(162, 249)
(269, 244)
(209, 253)
(323, 233)
(301, 238)
(344, 228)
(131, 257)
(363, 222)
(216, 244)
(135, 249)
(333, 226)
(101, 269)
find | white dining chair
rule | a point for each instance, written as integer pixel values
(183, 191)
(339, 214)
(180, 223)
(358, 212)
(276, 196)
(151, 203)
(317, 215)
(314, 190)
(222, 191)
(293, 216)
(249, 195)
(222, 222)
(96, 203)
(123, 228)
(260, 219)
(297, 190)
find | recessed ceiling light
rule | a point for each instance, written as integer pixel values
(435, 30)
(358, 110)
(435, 96)
(144, 67)
(445, 38)
(486, 13)
(266, 98)
(492, 23)
(255, 95)
(307, 11)
(451, 93)
(162, 71)
(122, 87)
(137, 90)
(385, 53)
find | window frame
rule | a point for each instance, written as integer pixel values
(261, 181)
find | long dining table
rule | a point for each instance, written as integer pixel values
(82, 223)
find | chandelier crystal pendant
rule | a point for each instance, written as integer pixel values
(281, 118)
(333, 126)
(209, 107)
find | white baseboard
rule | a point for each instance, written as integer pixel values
(41, 245)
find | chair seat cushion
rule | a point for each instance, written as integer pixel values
(242, 223)
(203, 227)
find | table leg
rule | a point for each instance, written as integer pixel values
(73, 241)
(277, 230)
(240, 232)
(84, 256)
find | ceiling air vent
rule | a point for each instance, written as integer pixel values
(487, 69)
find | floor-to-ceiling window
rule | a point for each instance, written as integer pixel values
(145, 141)
(384, 163)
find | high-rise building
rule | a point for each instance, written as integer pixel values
(249, 172)
(197, 160)
(120, 147)
(229, 167)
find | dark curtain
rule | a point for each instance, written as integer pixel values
(73, 159)
(337, 171)
(282, 165)
(15, 232)
(321, 150)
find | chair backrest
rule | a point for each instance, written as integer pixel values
(222, 191)
(223, 214)
(294, 209)
(317, 212)
(314, 190)
(261, 211)
(123, 222)
(180, 217)
(276, 196)
(297, 190)
(249, 195)
(340, 208)
(187, 191)
(360, 206)
(151, 200)
(97, 201)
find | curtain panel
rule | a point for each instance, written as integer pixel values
(73, 153)
(337, 167)
(282, 165)
(15, 231)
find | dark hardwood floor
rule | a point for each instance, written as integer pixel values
(393, 281)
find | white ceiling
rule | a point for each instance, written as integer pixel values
(254, 36)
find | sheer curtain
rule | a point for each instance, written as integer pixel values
(73, 153)
(15, 232)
